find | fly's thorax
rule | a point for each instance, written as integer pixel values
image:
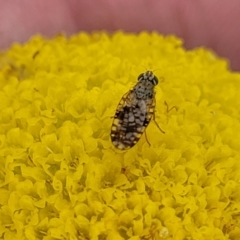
(144, 89)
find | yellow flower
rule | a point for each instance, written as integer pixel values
(61, 177)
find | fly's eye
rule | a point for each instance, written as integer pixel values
(155, 80)
(140, 76)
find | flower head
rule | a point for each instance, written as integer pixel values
(62, 178)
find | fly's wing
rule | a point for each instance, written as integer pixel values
(131, 118)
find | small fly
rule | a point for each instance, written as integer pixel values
(134, 112)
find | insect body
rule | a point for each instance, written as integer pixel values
(134, 112)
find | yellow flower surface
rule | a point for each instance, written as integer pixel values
(62, 178)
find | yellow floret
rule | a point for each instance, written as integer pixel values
(61, 177)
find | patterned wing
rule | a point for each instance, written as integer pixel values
(131, 119)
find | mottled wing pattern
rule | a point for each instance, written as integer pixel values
(131, 119)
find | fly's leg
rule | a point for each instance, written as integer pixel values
(147, 138)
(170, 109)
(157, 123)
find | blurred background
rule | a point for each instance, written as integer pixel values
(211, 23)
